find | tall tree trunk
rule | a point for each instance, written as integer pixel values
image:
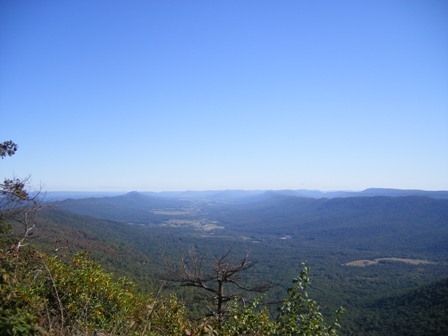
(220, 301)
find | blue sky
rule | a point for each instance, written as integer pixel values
(195, 95)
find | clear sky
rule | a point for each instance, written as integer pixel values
(111, 95)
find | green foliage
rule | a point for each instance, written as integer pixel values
(248, 319)
(300, 315)
(7, 148)
(422, 311)
(84, 297)
(43, 295)
(20, 294)
(136, 251)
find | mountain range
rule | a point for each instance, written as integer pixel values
(232, 194)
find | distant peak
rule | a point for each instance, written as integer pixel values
(133, 194)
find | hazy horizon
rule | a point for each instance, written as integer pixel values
(253, 95)
(242, 190)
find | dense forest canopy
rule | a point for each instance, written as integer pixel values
(340, 238)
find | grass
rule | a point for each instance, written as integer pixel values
(366, 262)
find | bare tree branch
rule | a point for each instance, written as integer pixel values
(223, 273)
(17, 209)
(17, 204)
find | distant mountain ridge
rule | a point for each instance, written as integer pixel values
(443, 194)
(130, 207)
(218, 195)
(410, 221)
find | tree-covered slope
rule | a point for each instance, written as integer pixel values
(422, 311)
(131, 207)
(281, 231)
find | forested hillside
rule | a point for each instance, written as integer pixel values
(338, 237)
(415, 312)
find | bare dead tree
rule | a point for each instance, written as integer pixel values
(221, 277)
(18, 204)
(18, 207)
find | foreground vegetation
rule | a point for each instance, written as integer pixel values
(45, 295)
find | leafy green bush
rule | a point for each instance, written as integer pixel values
(19, 293)
(248, 319)
(300, 315)
(43, 295)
